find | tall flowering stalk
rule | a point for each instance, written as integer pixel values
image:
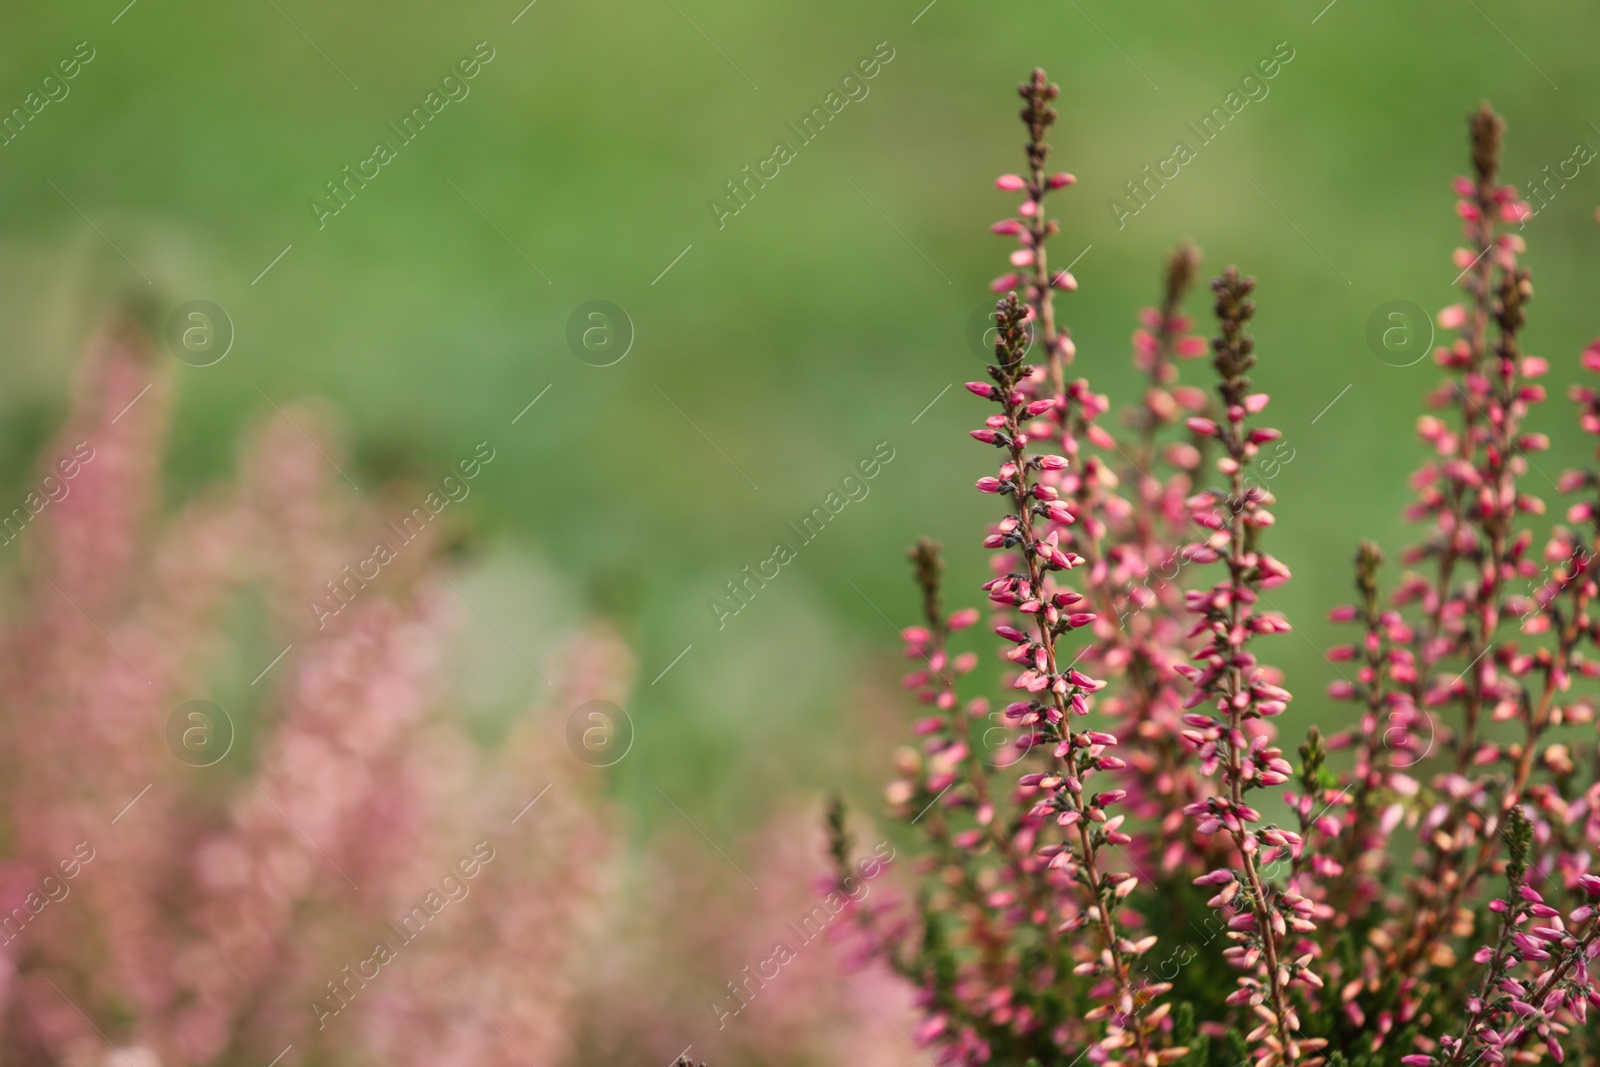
(1032, 561)
(1041, 961)
(1454, 672)
(1055, 690)
(1267, 923)
(1351, 824)
(1477, 550)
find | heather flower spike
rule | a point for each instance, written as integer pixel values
(1043, 839)
(1267, 922)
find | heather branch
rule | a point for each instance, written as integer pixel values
(1227, 612)
(1068, 688)
(1037, 504)
(1476, 514)
(1356, 839)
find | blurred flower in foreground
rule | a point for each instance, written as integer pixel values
(352, 878)
(760, 965)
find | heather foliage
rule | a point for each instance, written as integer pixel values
(1142, 875)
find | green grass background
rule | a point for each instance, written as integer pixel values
(806, 330)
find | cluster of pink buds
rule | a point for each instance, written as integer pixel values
(1552, 950)
(1348, 828)
(948, 768)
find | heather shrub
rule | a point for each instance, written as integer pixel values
(344, 875)
(1141, 874)
(1113, 858)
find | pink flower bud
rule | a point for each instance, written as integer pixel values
(1061, 180)
(963, 618)
(1010, 183)
(1591, 357)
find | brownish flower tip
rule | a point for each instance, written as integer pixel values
(1183, 263)
(1487, 128)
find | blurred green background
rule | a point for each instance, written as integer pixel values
(787, 343)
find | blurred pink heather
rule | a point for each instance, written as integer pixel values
(769, 970)
(354, 880)
(789, 986)
(1111, 884)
